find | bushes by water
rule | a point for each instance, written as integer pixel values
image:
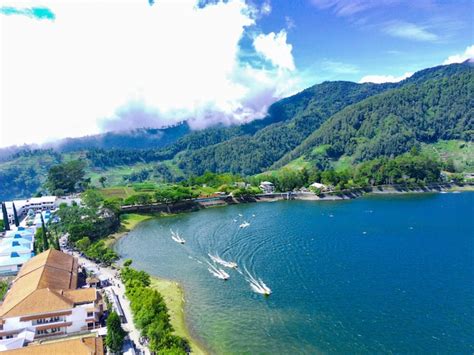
(150, 314)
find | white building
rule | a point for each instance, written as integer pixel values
(317, 185)
(44, 297)
(16, 248)
(37, 204)
(267, 187)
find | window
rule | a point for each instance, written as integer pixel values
(48, 331)
(90, 314)
(9, 336)
(48, 320)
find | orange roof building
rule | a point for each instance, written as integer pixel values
(44, 298)
(78, 346)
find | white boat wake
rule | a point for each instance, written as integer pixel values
(257, 285)
(176, 237)
(219, 273)
(217, 259)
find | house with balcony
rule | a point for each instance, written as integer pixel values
(44, 298)
(267, 187)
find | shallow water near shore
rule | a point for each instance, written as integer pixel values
(376, 274)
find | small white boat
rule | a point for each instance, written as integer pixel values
(240, 215)
(219, 273)
(257, 286)
(177, 238)
(245, 224)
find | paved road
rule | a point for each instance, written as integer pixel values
(119, 290)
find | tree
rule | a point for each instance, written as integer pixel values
(83, 244)
(115, 333)
(6, 224)
(39, 244)
(67, 177)
(92, 198)
(44, 233)
(127, 262)
(102, 180)
(15, 215)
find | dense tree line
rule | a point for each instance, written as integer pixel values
(407, 169)
(87, 225)
(150, 314)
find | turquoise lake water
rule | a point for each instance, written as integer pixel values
(376, 274)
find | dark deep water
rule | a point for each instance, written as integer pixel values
(376, 274)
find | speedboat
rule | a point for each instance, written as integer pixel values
(176, 237)
(245, 224)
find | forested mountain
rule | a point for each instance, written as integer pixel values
(301, 114)
(434, 104)
(140, 138)
(319, 125)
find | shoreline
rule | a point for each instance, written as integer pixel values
(203, 203)
(126, 225)
(173, 295)
(173, 291)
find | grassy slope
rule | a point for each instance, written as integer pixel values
(174, 297)
(461, 152)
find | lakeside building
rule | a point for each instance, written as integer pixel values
(319, 186)
(85, 345)
(267, 187)
(44, 299)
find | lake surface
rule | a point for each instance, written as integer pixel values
(376, 274)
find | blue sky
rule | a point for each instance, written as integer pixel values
(85, 67)
(340, 40)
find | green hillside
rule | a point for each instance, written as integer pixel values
(333, 125)
(392, 122)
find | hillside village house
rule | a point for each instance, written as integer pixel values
(319, 186)
(267, 187)
(44, 299)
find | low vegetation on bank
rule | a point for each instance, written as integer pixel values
(150, 314)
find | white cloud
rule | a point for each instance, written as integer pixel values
(378, 79)
(459, 58)
(117, 65)
(410, 31)
(274, 48)
(266, 8)
(290, 23)
(339, 67)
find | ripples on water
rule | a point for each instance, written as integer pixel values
(380, 274)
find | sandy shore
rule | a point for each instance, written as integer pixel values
(173, 295)
(171, 291)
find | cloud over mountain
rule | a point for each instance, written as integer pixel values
(116, 65)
